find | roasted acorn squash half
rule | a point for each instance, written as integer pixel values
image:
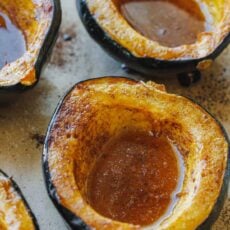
(108, 27)
(39, 22)
(14, 210)
(95, 110)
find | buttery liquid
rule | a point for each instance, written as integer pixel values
(136, 178)
(170, 22)
(12, 42)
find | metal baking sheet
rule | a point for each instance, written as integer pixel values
(23, 123)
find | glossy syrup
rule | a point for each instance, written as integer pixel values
(12, 42)
(136, 178)
(170, 22)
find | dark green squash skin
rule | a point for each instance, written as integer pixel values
(76, 223)
(19, 192)
(148, 66)
(8, 93)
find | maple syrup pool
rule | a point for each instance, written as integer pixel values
(12, 41)
(170, 22)
(136, 178)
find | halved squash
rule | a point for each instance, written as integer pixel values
(14, 210)
(109, 27)
(39, 22)
(94, 111)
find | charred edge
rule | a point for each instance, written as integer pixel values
(73, 221)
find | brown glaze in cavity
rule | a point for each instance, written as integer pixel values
(170, 22)
(134, 179)
(12, 42)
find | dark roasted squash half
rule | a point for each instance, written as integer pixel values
(95, 110)
(14, 210)
(39, 22)
(108, 27)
